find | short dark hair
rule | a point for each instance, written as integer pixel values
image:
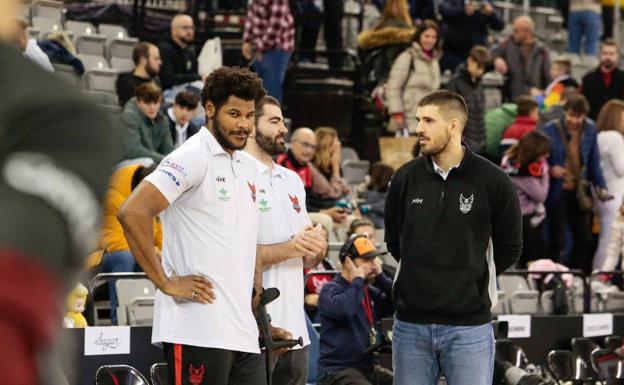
(187, 99)
(577, 103)
(141, 50)
(380, 175)
(424, 26)
(267, 99)
(525, 104)
(148, 92)
(607, 42)
(451, 104)
(232, 81)
(480, 55)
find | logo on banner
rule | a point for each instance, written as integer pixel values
(295, 203)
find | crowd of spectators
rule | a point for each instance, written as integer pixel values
(559, 139)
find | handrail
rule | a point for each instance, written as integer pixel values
(574, 272)
(110, 276)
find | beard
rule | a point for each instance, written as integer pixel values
(222, 137)
(608, 64)
(151, 71)
(437, 146)
(269, 145)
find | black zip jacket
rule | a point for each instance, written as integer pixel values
(439, 232)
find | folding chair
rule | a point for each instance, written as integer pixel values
(119, 375)
(158, 374)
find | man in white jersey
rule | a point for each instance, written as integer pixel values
(203, 312)
(281, 198)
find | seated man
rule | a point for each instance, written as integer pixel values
(178, 54)
(145, 130)
(117, 257)
(180, 116)
(146, 57)
(349, 309)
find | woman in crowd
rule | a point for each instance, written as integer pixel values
(395, 26)
(327, 160)
(611, 145)
(615, 246)
(525, 162)
(414, 74)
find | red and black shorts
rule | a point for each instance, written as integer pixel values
(193, 365)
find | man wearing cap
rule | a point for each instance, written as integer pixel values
(282, 215)
(349, 308)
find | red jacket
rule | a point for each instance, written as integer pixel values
(519, 127)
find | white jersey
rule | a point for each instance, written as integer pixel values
(209, 229)
(281, 204)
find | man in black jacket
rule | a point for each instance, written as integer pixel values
(452, 221)
(179, 62)
(147, 63)
(605, 82)
(180, 115)
(467, 82)
(465, 25)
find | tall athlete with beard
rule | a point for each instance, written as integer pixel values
(443, 209)
(206, 191)
(281, 198)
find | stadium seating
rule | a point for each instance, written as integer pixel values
(136, 301)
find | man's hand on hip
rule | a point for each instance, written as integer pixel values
(192, 287)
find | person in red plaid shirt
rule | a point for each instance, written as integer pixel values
(269, 39)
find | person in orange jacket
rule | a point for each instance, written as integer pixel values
(116, 256)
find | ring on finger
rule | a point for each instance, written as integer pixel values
(194, 294)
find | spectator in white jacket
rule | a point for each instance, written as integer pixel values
(611, 145)
(616, 242)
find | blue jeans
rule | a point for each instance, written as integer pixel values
(272, 70)
(587, 24)
(117, 262)
(464, 354)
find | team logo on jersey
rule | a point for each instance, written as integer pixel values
(295, 202)
(263, 206)
(196, 375)
(465, 204)
(224, 195)
(252, 187)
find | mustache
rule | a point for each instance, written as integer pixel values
(241, 132)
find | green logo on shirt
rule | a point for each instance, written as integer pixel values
(263, 206)
(224, 197)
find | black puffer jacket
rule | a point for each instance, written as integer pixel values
(472, 91)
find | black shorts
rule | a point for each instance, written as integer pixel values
(193, 365)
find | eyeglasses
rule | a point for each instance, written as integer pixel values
(307, 145)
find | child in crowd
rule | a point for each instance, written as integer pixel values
(526, 120)
(525, 162)
(380, 176)
(561, 75)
